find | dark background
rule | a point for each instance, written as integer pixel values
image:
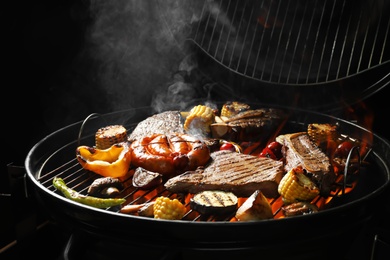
(50, 78)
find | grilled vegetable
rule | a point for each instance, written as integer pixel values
(322, 133)
(199, 119)
(231, 146)
(165, 208)
(147, 210)
(112, 162)
(299, 208)
(214, 202)
(106, 187)
(343, 149)
(232, 108)
(256, 207)
(131, 208)
(106, 136)
(145, 179)
(60, 185)
(296, 186)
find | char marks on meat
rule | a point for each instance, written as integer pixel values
(238, 173)
(299, 150)
(252, 125)
(162, 123)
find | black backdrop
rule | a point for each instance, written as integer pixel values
(48, 82)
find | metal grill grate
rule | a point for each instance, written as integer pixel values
(294, 41)
(80, 179)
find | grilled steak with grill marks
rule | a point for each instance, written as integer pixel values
(299, 150)
(250, 125)
(238, 173)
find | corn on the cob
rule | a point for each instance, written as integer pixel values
(199, 119)
(165, 208)
(106, 136)
(295, 186)
(230, 109)
(322, 133)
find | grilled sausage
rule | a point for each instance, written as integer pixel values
(169, 154)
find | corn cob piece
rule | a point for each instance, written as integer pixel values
(165, 208)
(295, 186)
(230, 109)
(199, 119)
(106, 136)
(322, 133)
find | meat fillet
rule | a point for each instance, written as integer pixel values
(299, 150)
(238, 173)
(162, 123)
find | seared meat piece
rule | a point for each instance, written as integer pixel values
(299, 150)
(249, 125)
(238, 173)
(162, 123)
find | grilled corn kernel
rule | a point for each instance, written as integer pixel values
(296, 186)
(165, 208)
(106, 136)
(230, 109)
(322, 133)
(199, 118)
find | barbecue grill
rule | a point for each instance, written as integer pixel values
(287, 54)
(54, 156)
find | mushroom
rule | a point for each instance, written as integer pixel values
(106, 187)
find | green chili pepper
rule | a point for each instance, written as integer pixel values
(60, 185)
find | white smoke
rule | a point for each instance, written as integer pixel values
(137, 46)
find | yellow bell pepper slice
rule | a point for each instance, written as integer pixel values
(111, 162)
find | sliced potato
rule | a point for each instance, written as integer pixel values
(256, 207)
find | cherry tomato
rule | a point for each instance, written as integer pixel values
(343, 149)
(267, 153)
(276, 149)
(227, 146)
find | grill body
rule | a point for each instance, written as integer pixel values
(54, 155)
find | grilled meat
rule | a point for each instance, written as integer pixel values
(163, 123)
(248, 125)
(238, 173)
(299, 150)
(169, 154)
